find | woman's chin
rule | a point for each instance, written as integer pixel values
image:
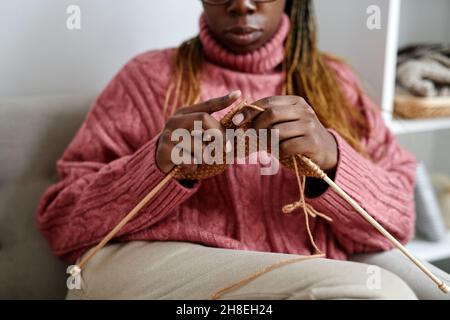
(242, 49)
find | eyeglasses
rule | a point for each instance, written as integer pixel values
(222, 2)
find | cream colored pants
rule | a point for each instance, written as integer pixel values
(179, 270)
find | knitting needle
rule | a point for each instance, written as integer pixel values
(125, 220)
(441, 284)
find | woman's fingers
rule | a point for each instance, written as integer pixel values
(250, 114)
(198, 131)
(277, 114)
(291, 116)
(213, 105)
(193, 121)
(277, 101)
(298, 145)
(184, 123)
(187, 132)
(292, 129)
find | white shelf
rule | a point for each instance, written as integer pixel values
(431, 251)
(403, 126)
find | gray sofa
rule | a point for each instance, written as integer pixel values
(33, 134)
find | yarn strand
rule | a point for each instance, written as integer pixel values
(261, 272)
(125, 220)
(308, 210)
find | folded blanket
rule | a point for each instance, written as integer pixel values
(424, 70)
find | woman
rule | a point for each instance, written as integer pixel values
(203, 235)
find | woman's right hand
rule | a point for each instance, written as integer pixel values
(184, 119)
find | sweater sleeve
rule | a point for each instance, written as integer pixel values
(383, 185)
(108, 168)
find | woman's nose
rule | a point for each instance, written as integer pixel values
(241, 7)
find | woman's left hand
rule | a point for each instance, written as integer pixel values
(300, 131)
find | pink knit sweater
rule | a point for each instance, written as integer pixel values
(110, 165)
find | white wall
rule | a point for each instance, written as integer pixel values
(39, 55)
(343, 31)
(424, 21)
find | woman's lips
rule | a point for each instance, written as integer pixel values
(243, 35)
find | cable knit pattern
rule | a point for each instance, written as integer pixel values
(110, 165)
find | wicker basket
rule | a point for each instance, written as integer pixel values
(411, 107)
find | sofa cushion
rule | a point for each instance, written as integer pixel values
(34, 132)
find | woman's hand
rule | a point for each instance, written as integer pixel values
(300, 131)
(184, 119)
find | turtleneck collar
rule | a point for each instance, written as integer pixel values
(262, 60)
